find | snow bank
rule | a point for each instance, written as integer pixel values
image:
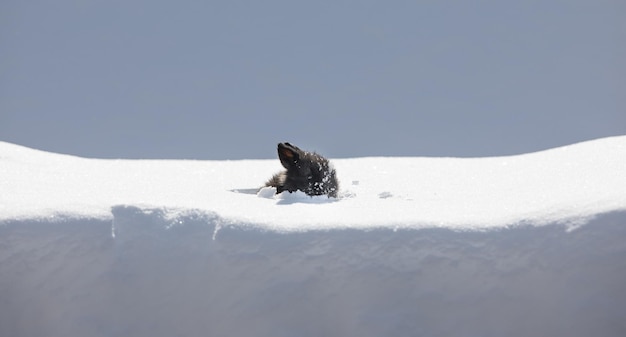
(571, 182)
(507, 246)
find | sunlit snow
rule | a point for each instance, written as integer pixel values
(571, 182)
(527, 245)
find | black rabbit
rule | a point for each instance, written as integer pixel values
(305, 171)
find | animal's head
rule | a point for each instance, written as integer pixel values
(306, 171)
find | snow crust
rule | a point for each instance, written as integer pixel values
(529, 245)
(565, 184)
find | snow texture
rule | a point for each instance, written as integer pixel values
(524, 245)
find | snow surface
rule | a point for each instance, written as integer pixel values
(567, 183)
(523, 245)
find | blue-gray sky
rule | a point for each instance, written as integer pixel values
(230, 79)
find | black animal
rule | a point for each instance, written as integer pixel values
(305, 171)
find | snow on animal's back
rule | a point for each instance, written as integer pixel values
(567, 183)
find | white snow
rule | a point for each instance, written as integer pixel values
(571, 182)
(533, 244)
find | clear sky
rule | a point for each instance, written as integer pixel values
(229, 79)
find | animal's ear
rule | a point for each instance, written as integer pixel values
(288, 155)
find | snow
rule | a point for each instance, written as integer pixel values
(571, 182)
(520, 245)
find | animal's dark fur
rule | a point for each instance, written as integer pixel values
(305, 171)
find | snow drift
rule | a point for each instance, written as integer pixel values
(521, 245)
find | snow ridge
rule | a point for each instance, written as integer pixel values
(411, 247)
(571, 183)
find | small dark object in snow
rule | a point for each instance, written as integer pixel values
(305, 171)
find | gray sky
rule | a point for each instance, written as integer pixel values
(230, 79)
